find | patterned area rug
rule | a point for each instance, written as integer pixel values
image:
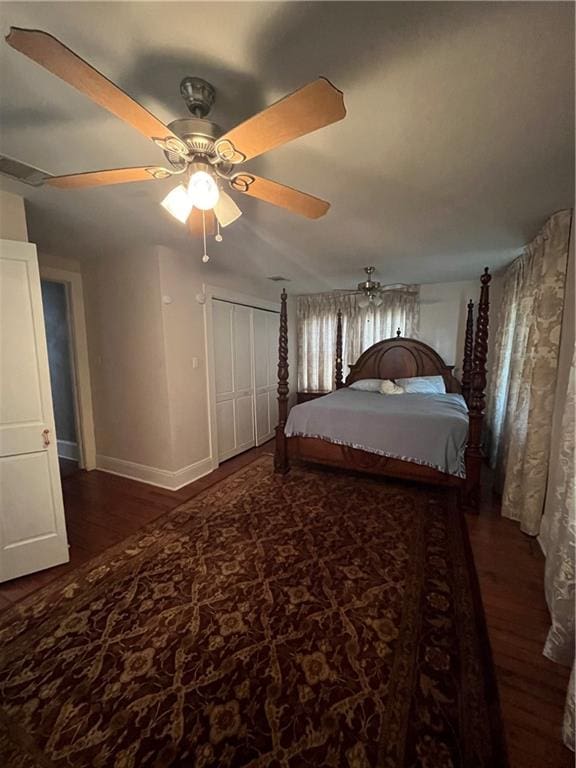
(322, 619)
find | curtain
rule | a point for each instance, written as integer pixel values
(509, 350)
(522, 403)
(531, 422)
(360, 329)
(558, 540)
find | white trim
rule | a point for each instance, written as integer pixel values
(162, 478)
(81, 372)
(68, 450)
(211, 292)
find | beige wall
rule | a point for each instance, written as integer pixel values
(182, 278)
(443, 308)
(46, 259)
(145, 328)
(443, 312)
(12, 217)
(127, 359)
(13, 227)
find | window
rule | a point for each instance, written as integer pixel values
(361, 328)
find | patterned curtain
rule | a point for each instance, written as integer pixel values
(509, 350)
(524, 372)
(558, 540)
(360, 329)
(523, 415)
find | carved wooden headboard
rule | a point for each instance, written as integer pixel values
(400, 358)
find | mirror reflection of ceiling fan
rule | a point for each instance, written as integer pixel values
(196, 149)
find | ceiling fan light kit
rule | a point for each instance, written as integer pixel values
(203, 190)
(178, 203)
(226, 210)
(195, 146)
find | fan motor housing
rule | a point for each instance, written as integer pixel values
(199, 136)
(198, 94)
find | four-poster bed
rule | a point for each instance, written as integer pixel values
(396, 358)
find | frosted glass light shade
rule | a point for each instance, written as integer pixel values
(377, 301)
(363, 302)
(203, 190)
(226, 210)
(178, 203)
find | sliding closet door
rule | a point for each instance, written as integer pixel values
(265, 375)
(234, 380)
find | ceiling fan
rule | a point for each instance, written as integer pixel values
(197, 149)
(371, 291)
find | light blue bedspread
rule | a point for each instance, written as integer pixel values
(430, 429)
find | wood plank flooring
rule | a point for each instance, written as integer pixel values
(510, 567)
(103, 509)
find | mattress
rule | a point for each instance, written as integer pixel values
(427, 429)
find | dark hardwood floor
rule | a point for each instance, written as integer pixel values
(103, 509)
(510, 567)
(67, 467)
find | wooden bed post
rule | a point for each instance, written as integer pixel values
(468, 352)
(281, 463)
(477, 397)
(339, 376)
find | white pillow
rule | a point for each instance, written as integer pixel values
(388, 387)
(423, 385)
(367, 385)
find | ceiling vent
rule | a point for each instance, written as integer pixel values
(18, 171)
(278, 279)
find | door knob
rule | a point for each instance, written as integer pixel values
(45, 437)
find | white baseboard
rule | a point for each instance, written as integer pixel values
(163, 478)
(68, 450)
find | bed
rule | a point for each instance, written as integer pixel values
(433, 439)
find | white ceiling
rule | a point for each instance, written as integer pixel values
(459, 139)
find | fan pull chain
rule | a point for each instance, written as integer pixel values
(218, 236)
(205, 258)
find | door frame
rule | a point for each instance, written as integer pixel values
(209, 293)
(79, 355)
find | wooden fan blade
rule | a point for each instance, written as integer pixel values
(281, 195)
(314, 106)
(195, 222)
(102, 178)
(54, 56)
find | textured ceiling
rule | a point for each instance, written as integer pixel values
(459, 139)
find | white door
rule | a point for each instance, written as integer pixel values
(32, 524)
(233, 375)
(265, 373)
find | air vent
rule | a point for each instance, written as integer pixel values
(278, 279)
(14, 169)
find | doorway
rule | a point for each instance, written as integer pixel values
(65, 326)
(62, 375)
